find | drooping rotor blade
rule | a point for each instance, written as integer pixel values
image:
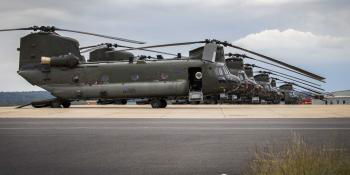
(305, 93)
(314, 76)
(312, 94)
(303, 87)
(265, 62)
(308, 93)
(166, 45)
(99, 35)
(292, 80)
(253, 65)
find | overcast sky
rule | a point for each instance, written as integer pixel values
(312, 34)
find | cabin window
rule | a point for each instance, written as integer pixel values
(75, 79)
(195, 83)
(135, 77)
(241, 76)
(104, 79)
(221, 72)
(227, 72)
(164, 76)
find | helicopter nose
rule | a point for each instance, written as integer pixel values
(235, 82)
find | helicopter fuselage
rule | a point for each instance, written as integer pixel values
(140, 79)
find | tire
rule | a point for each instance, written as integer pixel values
(156, 103)
(164, 103)
(55, 104)
(66, 104)
(195, 102)
(123, 101)
(40, 106)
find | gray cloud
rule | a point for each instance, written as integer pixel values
(160, 21)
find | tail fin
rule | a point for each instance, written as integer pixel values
(36, 45)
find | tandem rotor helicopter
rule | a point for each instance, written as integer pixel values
(55, 63)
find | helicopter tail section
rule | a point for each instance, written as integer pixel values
(43, 44)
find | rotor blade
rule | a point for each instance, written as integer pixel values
(314, 91)
(53, 29)
(314, 76)
(88, 47)
(148, 50)
(92, 49)
(166, 45)
(305, 93)
(294, 80)
(253, 65)
(16, 29)
(308, 93)
(281, 67)
(99, 35)
(317, 92)
(117, 45)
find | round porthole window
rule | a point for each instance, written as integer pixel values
(75, 78)
(199, 75)
(164, 76)
(135, 77)
(104, 79)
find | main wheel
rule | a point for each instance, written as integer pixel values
(55, 104)
(164, 103)
(40, 105)
(123, 101)
(66, 104)
(156, 103)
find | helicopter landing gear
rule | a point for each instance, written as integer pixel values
(159, 103)
(66, 104)
(55, 104)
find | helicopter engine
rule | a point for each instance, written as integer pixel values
(61, 61)
(109, 54)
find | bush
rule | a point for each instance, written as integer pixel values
(299, 158)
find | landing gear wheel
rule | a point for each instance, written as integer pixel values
(156, 103)
(40, 105)
(55, 104)
(123, 101)
(164, 103)
(66, 104)
(159, 103)
(195, 102)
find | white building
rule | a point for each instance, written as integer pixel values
(338, 98)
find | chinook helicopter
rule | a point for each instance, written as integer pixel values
(247, 90)
(290, 95)
(258, 88)
(268, 91)
(54, 63)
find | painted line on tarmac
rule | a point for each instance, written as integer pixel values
(172, 128)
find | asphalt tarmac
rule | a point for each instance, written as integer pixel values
(152, 146)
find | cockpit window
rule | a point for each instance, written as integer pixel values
(227, 72)
(241, 76)
(220, 71)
